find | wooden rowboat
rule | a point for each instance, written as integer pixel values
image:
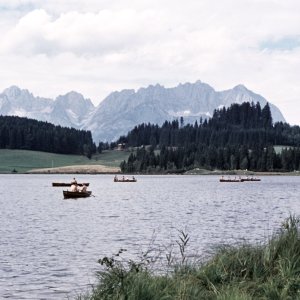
(69, 194)
(68, 184)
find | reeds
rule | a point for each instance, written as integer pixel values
(269, 271)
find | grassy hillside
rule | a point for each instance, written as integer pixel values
(23, 160)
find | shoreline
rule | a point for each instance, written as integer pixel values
(101, 169)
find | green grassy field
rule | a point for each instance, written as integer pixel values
(23, 160)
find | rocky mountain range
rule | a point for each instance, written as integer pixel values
(121, 111)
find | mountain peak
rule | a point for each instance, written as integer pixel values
(73, 98)
(14, 91)
(13, 88)
(73, 94)
(157, 86)
(240, 88)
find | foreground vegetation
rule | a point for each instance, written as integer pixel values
(269, 271)
(23, 160)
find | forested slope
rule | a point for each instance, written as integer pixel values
(239, 137)
(28, 134)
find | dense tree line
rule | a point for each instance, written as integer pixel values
(28, 134)
(239, 137)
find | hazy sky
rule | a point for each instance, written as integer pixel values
(96, 46)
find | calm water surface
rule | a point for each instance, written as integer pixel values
(49, 246)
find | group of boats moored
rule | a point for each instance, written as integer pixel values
(239, 179)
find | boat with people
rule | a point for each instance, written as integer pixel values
(77, 194)
(125, 179)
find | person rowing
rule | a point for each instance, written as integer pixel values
(74, 181)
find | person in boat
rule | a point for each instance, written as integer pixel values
(116, 178)
(74, 187)
(123, 178)
(74, 181)
(83, 188)
(133, 178)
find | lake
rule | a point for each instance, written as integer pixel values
(50, 246)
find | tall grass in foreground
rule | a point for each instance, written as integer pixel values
(269, 271)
